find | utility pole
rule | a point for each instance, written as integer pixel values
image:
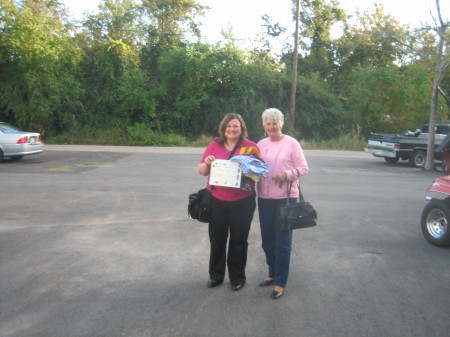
(294, 72)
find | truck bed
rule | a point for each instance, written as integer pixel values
(407, 147)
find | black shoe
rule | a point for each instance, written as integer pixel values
(276, 294)
(236, 287)
(213, 283)
(266, 283)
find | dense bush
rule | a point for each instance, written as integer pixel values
(129, 76)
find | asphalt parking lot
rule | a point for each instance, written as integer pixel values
(96, 241)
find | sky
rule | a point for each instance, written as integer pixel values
(244, 16)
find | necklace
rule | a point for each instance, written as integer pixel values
(277, 139)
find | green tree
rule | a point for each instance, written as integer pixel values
(115, 80)
(272, 32)
(137, 101)
(116, 20)
(318, 18)
(375, 40)
(38, 66)
(416, 91)
(201, 83)
(320, 114)
(168, 22)
(185, 73)
(389, 99)
(119, 91)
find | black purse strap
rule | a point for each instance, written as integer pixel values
(289, 185)
(234, 149)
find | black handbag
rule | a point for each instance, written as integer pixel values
(200, 203)
(296, 215)
(199, 206)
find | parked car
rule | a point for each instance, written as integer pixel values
(435, 218)
(15, 143)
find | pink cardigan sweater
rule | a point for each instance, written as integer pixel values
(284, 155)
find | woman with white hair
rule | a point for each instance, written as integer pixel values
(285, 160)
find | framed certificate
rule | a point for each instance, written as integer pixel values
(225, 173)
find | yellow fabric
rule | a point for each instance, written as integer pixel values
(253, 177)
(251, 150)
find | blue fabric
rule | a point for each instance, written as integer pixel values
(251, 164)
(277, 245)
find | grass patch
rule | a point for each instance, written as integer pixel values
(352, 141)
(74, 166)
(137, 135)
(142, 135)
(91, 136)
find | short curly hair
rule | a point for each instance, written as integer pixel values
(274, 114)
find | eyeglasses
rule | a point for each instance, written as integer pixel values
(233, 114)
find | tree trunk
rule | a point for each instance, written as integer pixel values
(429, 164)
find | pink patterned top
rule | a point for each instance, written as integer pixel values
(222, 192)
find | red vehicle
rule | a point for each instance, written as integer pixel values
(436, 214)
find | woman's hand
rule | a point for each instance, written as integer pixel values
(280, 178)
(209, 159)
(205, 167)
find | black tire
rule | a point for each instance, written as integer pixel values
(391, 160)
(435, 222)
(418, 158)
(1, 155)
(16, 157)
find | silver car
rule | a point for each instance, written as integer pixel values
(15, 143)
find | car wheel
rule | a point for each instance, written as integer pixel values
(16, 157)
(418, 159)
(391, 160)
(1, 155)
(435, 221)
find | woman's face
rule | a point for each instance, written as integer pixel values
(233, 130)
(272, 128)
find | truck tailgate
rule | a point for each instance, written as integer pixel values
(380, 148)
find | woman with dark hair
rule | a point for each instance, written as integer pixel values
(232, 208)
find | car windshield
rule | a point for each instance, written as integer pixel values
(7, 128)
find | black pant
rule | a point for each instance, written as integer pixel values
(234, 217)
